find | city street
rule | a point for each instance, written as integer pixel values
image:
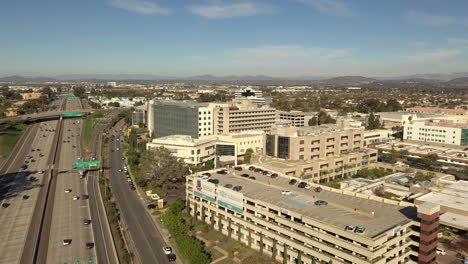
(147, 240)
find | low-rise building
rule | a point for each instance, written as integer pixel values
(438, 132)
(329, 226)
(31, 96)
(452, 196)
(320, 152)
(192, 150)
(377, 136)
(196, 151)
(440, 111)
(296, 118)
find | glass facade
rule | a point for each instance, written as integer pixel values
(464, 137)
(172, 119)
(283, 147)
(270, 145)
(137, 118)
(225, 150)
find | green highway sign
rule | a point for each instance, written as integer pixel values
(86, 164)
(73, 114)
(72, 97)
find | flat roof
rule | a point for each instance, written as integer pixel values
(453, 195)
(342, 209)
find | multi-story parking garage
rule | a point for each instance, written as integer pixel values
(324, 225)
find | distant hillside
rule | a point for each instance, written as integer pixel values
(463, 81)
(21, 79)
(349, 80)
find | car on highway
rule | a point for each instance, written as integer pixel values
(75, 198)
(67, 242)
(5, 205)
(318, 189)
(238, 168)
(89, 245)
(274, 175)
(224, 171)
(307, 187)
(252, 177)
(251, 168)
(68, 190)
(86, 222)
(292, 182)
(25, 197)
(237, 188)
(84, 197)
(151, 206)
(286, 192)
(206, 173)
(245, 175)
(228, 185)
(167, 250)
(171, 257)
(215, 181)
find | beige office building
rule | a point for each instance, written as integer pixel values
(320, 152)
(242, 115)
(296, 118)
(349, 228)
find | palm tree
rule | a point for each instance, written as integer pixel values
(220, 225)
(299, 257)
(239, 233)
(250, 238)
(285, 254)
(203, 214)
(261, 243)
(212, 220)
(229, 227)
(273, 250)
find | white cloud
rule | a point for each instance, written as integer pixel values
(219, 10)
(140, 7)
(282, 60)
(434, 20)
(419, 44)
(331, 7)
(431, 56)
(458, 42)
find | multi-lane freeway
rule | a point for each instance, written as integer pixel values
(49, 213)
(146, 238)
(21, 182)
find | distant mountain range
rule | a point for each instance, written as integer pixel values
(455, 78)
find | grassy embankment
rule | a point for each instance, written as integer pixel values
(10, 133)
(90, 121)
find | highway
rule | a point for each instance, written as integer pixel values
(65, 214)
(21, 187)
(37, 214)
(147, 240)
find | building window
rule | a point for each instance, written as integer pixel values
(301, 142)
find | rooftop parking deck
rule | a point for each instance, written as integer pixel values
(342, 209)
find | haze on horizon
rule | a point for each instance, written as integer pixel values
(219, 37)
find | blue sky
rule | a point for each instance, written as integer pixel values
(273, 37)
